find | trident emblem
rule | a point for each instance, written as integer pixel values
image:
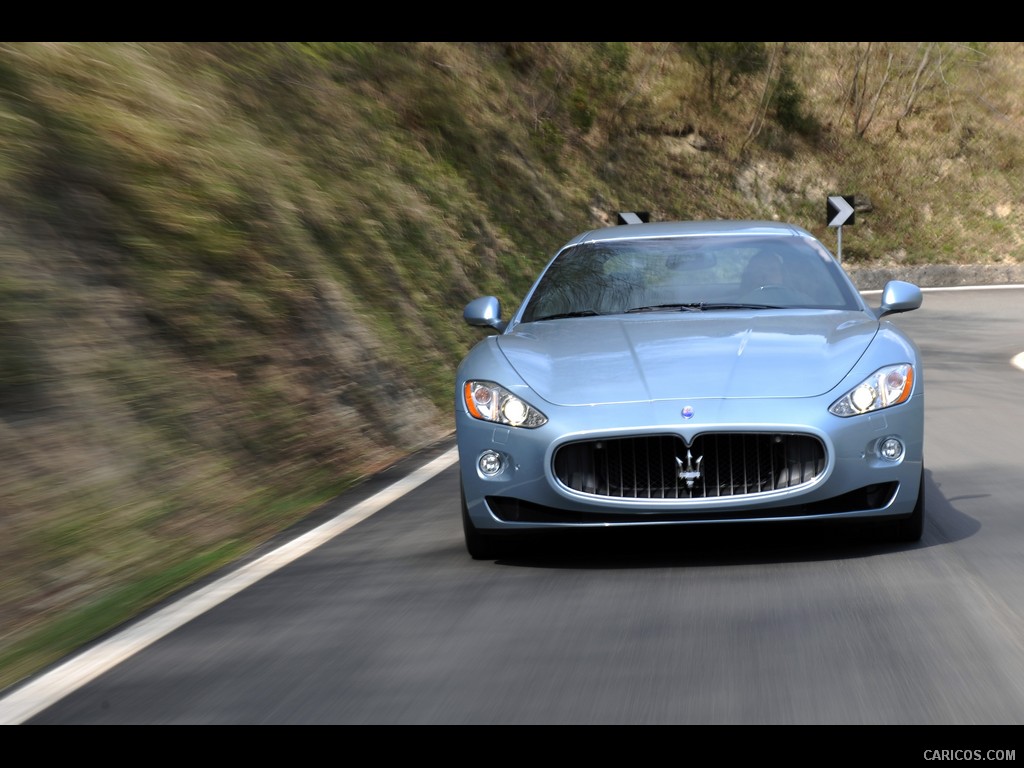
(690, 473)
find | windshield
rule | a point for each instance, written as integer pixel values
(693, 273)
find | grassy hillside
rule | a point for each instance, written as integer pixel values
(232, 274)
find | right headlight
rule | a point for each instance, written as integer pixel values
(885, 387)
(488, 401)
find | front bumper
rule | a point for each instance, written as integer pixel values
(856, 481)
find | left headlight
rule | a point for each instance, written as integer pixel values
(885, 387)
(488, 401)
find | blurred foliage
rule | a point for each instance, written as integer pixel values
(232, 274)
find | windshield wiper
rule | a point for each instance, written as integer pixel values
(692, 307)
(736, 305)
(577, 313)
(700, 306)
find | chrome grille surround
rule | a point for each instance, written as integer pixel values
(713, 465)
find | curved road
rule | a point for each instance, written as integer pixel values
(378, 616)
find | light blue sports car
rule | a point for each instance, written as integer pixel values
(677, 373)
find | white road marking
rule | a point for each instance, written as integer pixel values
(40, 693)
(957, 288)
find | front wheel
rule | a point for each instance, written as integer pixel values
(910, 529)
(481, 546)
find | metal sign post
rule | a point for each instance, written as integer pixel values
(839, 211)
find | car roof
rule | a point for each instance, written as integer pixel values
(690, 228)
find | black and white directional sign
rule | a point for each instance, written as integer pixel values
(840, 210)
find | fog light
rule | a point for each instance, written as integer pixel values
(490, 463)
(891, 448)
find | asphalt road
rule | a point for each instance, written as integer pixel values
(386, 620)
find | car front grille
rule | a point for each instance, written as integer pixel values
(713, 465)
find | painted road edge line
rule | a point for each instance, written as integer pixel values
(38, 694)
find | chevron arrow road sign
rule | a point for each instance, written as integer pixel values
(840, 210)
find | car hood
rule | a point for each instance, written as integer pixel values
(593, 360)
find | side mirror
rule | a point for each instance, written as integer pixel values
(898, 296)
(484, 312)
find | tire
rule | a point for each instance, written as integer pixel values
(909, 530)
(481, 546)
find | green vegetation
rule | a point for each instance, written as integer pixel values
(232, 274)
